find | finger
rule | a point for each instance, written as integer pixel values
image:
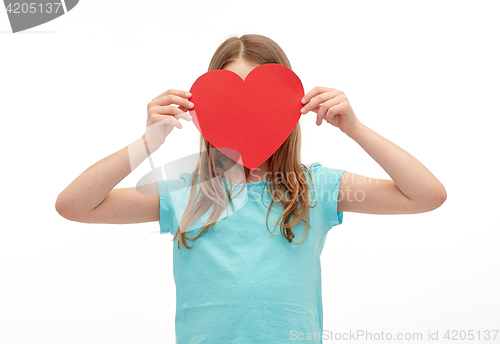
(314, 92)
(174, 92)
(326, 105)
(316, 109)
(317, 101)
(332, 112)
(171, 99)
(171, 120)
(184, 115)
(165, 110)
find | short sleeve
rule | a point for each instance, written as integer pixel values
(326, 192)
(173, 195)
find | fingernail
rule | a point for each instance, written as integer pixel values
(191, 104)
(188, 94)
(303, 100)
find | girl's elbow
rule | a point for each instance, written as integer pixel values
(439, 198)
(434, 200)
(443, 196)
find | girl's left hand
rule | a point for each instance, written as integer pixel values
(332, 106)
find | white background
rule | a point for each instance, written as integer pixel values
(424, 75)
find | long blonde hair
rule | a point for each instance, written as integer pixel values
(291, 192)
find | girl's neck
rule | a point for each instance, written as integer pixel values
(259, 174)
(236, 174)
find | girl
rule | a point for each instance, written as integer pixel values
(237, 280)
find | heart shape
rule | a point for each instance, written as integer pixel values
(247, 120)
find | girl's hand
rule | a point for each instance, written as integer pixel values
(332, 106)
(163, 116)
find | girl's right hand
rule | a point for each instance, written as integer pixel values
(163, 116)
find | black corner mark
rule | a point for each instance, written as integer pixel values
(25, 14)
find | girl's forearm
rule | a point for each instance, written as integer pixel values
(411, 177)
(89, 189)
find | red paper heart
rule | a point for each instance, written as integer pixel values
(252, 116)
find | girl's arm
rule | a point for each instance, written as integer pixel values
(413, 188)
(91, 197)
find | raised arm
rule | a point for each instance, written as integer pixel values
(91, 197)
(413, 188)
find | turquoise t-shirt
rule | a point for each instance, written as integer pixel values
(239, 283)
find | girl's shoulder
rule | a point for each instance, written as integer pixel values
(323, 174)
(325, 191)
